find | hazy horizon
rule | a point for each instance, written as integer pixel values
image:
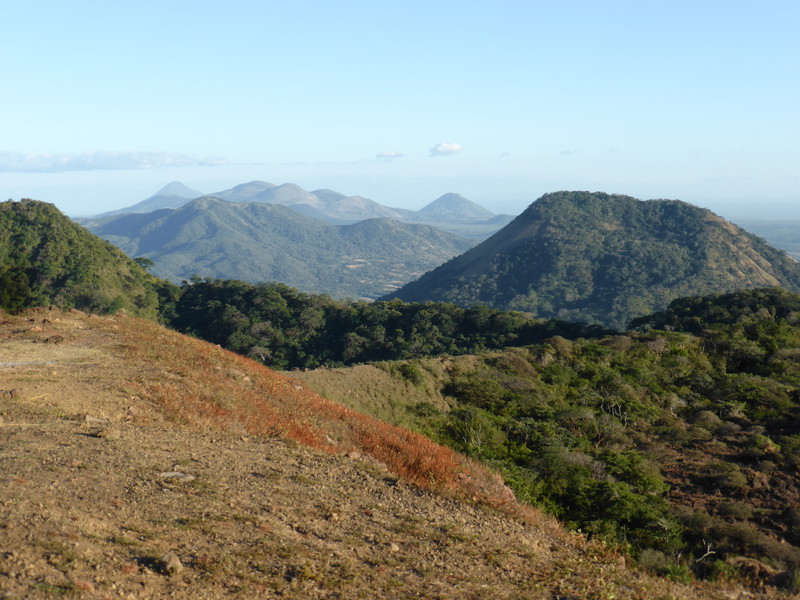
(403, 103)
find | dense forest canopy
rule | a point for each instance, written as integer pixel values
(45, 259)
(285, 328)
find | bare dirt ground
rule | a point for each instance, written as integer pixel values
(105, 493)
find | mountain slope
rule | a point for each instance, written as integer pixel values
(676, 444)
(454, 206)
(323, 204)
(263, 242)
(605, 258)
(451, 212)
(149, 443)
(172, 195)
(244, 192)
(45, 258)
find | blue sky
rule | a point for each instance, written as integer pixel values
(106, 102)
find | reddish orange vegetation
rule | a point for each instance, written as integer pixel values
(212, 388)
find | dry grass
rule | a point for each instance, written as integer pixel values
(210, 388)
(259, 514)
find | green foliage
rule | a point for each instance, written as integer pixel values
(604, 258)
(15, 291)
(590, 427)
(258, 242)
(285, 328)
(621, 436)
(411, 372)
(47, 259)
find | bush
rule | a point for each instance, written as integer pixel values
(679, 573)
(411, 372)
(707, 420)
(740, 511)
(726, 476)
(653, 560)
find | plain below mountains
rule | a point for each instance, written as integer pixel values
(256, 242)
(605, 259)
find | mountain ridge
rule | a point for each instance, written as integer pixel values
(605, 258)
(451, 212)
(258, 242)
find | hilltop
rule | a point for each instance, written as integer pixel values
(606, 259)
(45, 258)
(172, 195)
(455, 206)
(142, 463)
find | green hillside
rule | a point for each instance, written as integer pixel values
(606, 259)
(47, 259)
(682, 446)
(285, 328)
(259, 242)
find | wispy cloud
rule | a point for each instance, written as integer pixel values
(388, 155)
(446, 149)
(11, 162)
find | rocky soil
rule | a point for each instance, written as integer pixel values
(103, 494)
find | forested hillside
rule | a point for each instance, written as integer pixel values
(258, 242)
(45, 258)
(605, 258)
(681, 445)
(285, 328)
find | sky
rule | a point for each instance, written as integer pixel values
(104, 103)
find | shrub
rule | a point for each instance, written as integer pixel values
(707, 420)
(740, 511)
(653, 560)
(411, 372)
(679, 573)
(726, 476)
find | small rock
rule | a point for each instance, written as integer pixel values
(176, 475)
(109, 433)
(394, 547)
(170, 564)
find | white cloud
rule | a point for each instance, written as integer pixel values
(388, 155)
(446, 149)
(11, 162)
